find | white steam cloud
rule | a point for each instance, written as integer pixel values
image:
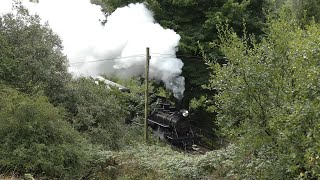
(121, 42)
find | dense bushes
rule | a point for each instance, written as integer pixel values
(268, 98)
(41, 139)
(98, 113)
(161, 162)
(36, 138)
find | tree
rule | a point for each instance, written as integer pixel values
(32, 58)
(268, 98)
(306, 9)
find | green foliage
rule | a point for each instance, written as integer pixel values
(161, 162)
(268, 98)
(35, 138)
(133, 101)
(306, 10)
(31, 55)
(99, 113)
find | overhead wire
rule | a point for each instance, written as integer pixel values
(108, 59)
(180, 55)
(195, 58)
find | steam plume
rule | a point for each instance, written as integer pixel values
(121, 42)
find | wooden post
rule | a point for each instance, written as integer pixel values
(146, 96)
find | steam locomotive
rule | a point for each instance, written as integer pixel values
(168, 123)
(171, 124)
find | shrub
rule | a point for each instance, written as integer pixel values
(99, 113)
(268, 98)
(35, 138)
(161, 162)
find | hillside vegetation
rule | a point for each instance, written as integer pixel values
(258, 83)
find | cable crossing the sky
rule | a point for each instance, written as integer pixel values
(197, 58)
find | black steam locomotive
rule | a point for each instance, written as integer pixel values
(167, 121)
(171, 124)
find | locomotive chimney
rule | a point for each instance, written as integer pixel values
(179, 103)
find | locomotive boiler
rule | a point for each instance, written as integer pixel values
(171, 124)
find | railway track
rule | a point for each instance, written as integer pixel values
(199, 149)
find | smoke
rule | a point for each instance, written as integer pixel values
(5, 7)
(121, 43)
